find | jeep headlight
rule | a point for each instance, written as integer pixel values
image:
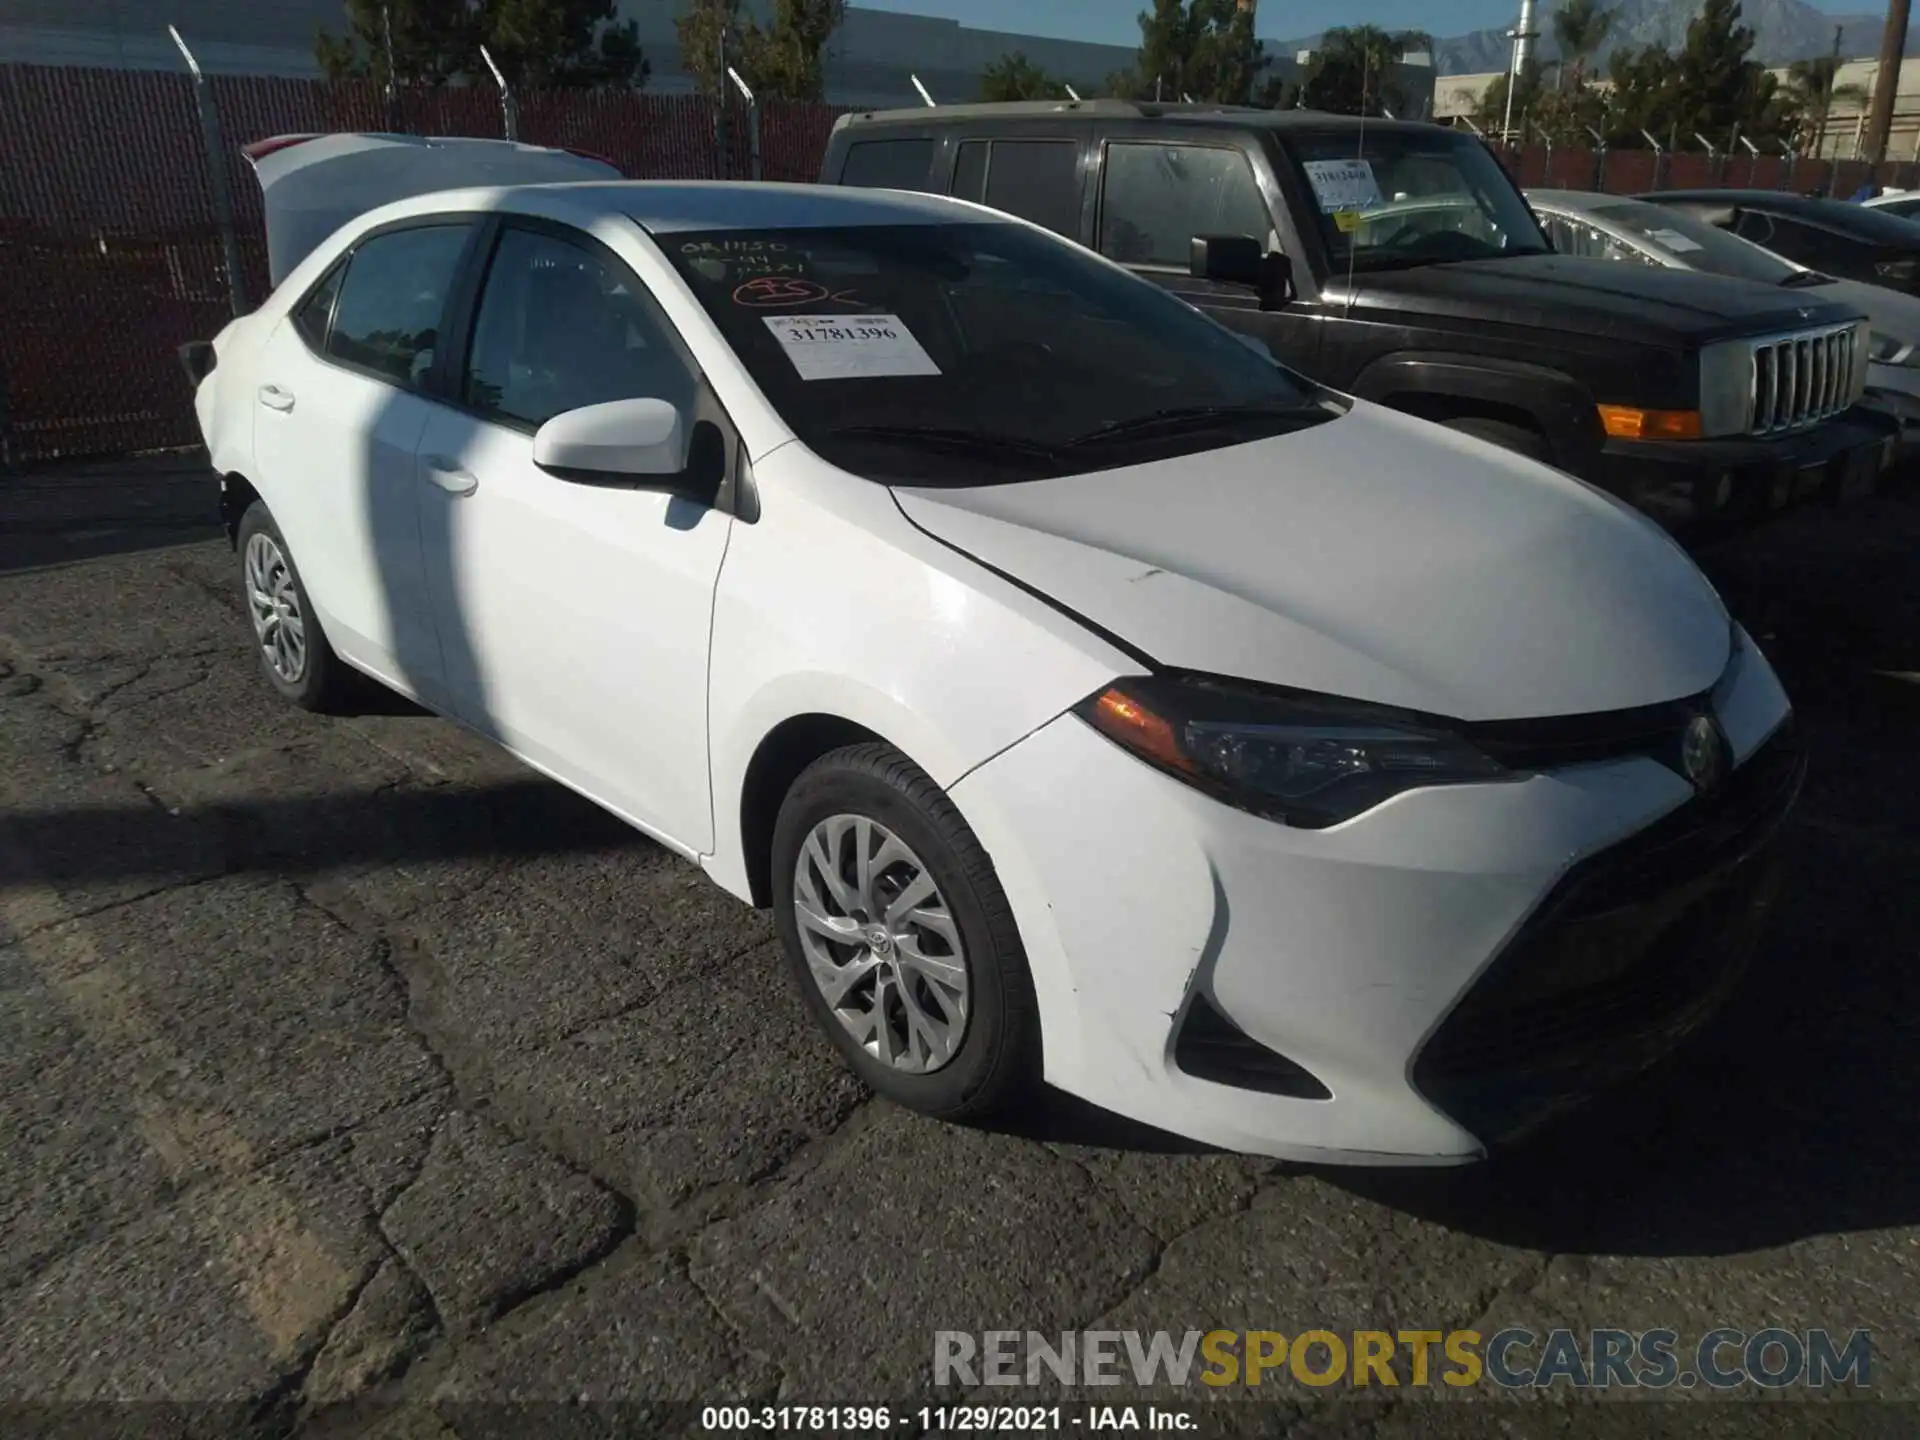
(1726, 388)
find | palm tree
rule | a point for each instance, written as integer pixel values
(1581, 27)
(1812, 92)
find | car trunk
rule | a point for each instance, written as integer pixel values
(311, 185)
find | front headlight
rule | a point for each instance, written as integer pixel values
(1303, 760)
(1726, 388)
(1884, 349)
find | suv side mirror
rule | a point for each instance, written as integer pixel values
(1243, 260)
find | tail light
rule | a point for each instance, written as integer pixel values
(198, 359)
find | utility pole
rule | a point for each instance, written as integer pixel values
(1886, 84)
(1523, 35)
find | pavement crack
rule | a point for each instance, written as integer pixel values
(74, 912)
(736, 1337)
(618, 1234)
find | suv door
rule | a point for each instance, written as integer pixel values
(574, 616)
(1157, 190)
(1039, 176)
(340, 410)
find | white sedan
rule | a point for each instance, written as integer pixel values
(1091, 699)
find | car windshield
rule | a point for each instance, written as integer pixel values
(1389, 199)
(1693, 243)
(977, 353)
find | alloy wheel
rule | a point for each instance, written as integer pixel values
(273, 603)
(881, 944)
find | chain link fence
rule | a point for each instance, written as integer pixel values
(111, 253)
(110, 246)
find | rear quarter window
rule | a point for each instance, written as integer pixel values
(888, 164)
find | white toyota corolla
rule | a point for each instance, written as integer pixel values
(1089, 697)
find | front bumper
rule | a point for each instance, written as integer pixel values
(1691, 486)
(1894, 391)
(1379, 968)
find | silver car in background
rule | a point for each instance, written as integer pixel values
(1614, 227)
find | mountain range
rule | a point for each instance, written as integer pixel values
(1784, 31)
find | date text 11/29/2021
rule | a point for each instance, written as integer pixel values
(944, 1419)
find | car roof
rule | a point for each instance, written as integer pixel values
(1199, 114)
(1834, 214)
(677, 206)
(1577, 199)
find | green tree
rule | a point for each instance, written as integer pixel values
(1356, 71)
(538, 44)
(1490, 114)
(1717, 85)
(1645, 97)
(1014, 77)
(780, 60)
(1580, 27)
(1810, 97)
(1202, 48)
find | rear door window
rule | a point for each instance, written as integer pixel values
(387, 320)
(888, 164)
(1155, 198)
(1038, 180)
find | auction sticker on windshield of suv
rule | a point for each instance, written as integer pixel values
(850, 347)
(1343, 185)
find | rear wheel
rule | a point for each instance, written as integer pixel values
(900, 938)
(1516, 438)
(293, 649)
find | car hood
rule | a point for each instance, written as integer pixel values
(1374, 557)
(1600, 298)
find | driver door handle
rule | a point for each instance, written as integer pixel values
(274, 398)
(449, 475)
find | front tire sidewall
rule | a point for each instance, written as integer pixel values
(998, 1054)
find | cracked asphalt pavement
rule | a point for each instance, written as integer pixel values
(345, 1060)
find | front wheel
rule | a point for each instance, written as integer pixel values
(900, 938)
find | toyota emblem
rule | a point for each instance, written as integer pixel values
(1703, 754)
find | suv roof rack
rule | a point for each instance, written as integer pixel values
(1015, 109)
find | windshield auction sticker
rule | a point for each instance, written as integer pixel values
(1343, 185)
(1673, 240)
(850, 347)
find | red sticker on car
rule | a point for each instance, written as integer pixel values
(772, 291)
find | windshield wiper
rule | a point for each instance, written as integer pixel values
(933, 437)
(1181, 419)
(1801, 279)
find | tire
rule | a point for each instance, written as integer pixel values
(320, 681)
(1516, 438)
(874, 792)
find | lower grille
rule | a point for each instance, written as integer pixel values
(1633, 950)
(1212, 1047)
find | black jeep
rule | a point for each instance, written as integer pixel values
(1400, 263)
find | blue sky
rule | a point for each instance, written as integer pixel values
(1112, 21)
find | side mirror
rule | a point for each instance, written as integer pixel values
(619, 440)
(1243, 260)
